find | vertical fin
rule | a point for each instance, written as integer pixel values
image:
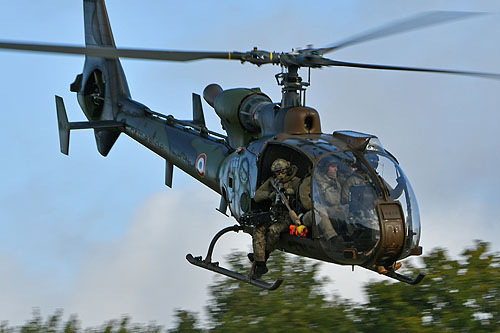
(97, 28)
(169, 173)
(63, 124)
(112, 82)
(198, 117)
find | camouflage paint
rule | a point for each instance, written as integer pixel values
(179, 145)
(227, 106)
(232, 168)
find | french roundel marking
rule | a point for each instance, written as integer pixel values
(201, 164)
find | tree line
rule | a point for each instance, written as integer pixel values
(457, 294)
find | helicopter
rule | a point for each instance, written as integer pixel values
(258, 131)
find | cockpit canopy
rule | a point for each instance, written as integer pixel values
(352, 183)
(344, 191)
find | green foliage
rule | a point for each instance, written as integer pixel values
(36, 324)
(54, 324)
(185, 322)
(124, 326)
(4, 327)
(461, 295)
(457, 295)
(298, 305)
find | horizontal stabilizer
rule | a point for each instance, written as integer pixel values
(65, 126)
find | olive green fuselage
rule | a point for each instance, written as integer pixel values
(258, 132)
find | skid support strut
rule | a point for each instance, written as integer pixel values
(402, 278)
(214, 266)
(406, 279)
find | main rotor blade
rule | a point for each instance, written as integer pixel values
(411, 69)
(415, 22)
(113, 53)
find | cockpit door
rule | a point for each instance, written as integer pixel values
(345, 215)
(392, 231)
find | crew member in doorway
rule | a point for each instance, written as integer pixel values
(266, 236)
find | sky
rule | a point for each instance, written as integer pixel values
(102, 237)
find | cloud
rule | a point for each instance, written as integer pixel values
(145, 274)
(443, 129)
(22, 290)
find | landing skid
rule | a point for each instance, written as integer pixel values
(406, 279)
(214, 266)
(402, 278)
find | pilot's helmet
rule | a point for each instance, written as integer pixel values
(326, 163)
(351, 163)
(280, 168)
(373, 160)
(332, 168)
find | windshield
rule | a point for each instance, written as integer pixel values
(345, 215)
(399, 189)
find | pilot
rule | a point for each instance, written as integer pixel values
(328, 205)
(356, 178)
(329, 185)
(266, 237)
(359, 177)
(329, 188)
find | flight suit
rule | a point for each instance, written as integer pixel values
(354, 179)
(266, 237)
(329, 208)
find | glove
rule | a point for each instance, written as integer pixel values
(289, 191)
(300, 230)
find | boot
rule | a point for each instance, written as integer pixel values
(382, 270)
(251, 256)
(394, 267)
(260, 269)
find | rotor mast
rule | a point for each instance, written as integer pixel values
(294, 89)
